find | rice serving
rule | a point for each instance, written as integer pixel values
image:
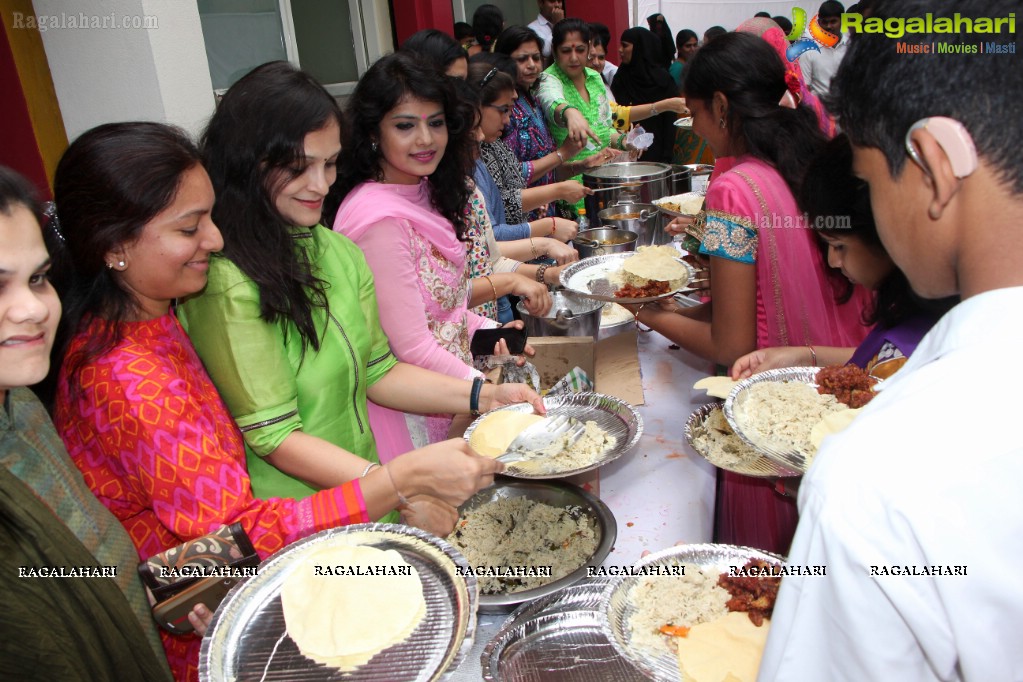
(720, 445)
(687, 204)
(685, 600)
(613, 314)
(594, 442)
(780, 415)
(513, 533)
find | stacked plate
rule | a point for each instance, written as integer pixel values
(558, 637)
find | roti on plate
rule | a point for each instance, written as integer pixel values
(727, 649)
(496, 432)
(343, 620)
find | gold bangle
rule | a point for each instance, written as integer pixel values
(813, 355)
(492, 287)
(533, 247)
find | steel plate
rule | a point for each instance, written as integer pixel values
(618, 607)
(247, 639)
(556, 494)
(616, 417)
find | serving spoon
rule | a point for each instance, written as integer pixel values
(541, 438)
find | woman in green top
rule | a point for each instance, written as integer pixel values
(287, 326)
(573, 96)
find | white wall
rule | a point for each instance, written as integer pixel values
(122, 73)
(699, 15)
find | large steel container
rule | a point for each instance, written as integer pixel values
(638, 182)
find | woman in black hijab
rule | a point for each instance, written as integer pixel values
(659, 26)
(642, 80)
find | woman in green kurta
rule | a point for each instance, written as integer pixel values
(574, 98)
(271, 384)
(288, 327)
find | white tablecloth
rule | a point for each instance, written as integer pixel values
(661, 493)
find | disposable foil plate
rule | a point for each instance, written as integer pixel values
(789, 458)
(569, 646)
(761, 467)
(555, 494)
(618, 605)
(677, 198)
(558, 637)
(589, 277)
(616, 417)
(248, 641)
(583, 596)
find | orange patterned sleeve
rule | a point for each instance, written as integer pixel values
(157, 445)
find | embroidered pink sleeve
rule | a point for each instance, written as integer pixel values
(407, 292)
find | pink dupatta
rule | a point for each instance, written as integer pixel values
(795, 297)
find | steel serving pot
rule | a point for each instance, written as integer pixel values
(602, 240)
(570, 315)
(681, 180)
(638, 182)
(643, 219)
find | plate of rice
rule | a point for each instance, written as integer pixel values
(613, 427)
(775, 413)
(656, 596)
(711, 436)
(647, 274)
(514, 529)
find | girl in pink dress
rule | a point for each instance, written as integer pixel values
(403, 184)
(769, 282)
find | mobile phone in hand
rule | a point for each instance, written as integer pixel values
(172, 614)
(484, 340)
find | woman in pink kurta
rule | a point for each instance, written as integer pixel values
(419, 269)
(402, 190)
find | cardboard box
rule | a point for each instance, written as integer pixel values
(612, 363)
